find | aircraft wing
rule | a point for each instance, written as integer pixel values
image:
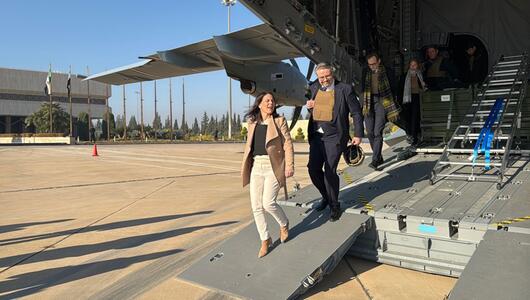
(254, 45)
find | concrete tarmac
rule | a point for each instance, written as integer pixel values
(124, 224)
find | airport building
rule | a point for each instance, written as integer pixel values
(22, 93)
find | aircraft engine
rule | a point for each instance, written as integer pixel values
(286, 82)
(247, 86)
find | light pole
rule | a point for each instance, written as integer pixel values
(155, 127)
(170, 112)
(124, 115)
(229, 3)
(108, 111)
(142, 111)
(137, 108)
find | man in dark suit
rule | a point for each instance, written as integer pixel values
(329, 133)
(378, 90)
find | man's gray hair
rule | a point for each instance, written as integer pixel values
(323, 66)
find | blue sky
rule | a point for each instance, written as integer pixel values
(107, 34)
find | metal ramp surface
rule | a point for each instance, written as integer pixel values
(499, 269)
(309, 195)
(314, 249)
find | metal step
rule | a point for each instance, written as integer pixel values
(509, 62)
(479, 112)
(475, 136)
(481, 124)
(507, 57)
(470, 176)
(487, 114)
(501, 80)
(504, 73)
(471, 164)
(492, 102)
(510, 82)
(469, 151)
(498, 93)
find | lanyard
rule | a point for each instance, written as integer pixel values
(485, 138)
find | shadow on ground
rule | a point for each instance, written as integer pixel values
(32, 282)
(20, 226)
(102, 227)
(80, 250)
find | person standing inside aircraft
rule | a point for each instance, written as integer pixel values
(267, 161)
(440, 73)
(379, 107)
(329, 133)
(412, 84)
(475, 68)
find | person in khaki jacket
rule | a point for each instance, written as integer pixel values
(267, 161)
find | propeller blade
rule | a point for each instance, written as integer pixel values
(310, 69)
(294, 63)
(296, 116)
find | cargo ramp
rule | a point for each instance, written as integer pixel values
(314, 249)
(499, 269)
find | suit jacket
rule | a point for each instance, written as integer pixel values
(338, 129)
(278, 145)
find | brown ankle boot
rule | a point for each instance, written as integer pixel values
(264, 248)
(284, 233)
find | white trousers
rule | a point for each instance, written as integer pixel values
(264, 188)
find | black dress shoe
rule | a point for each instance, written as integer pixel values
(376, 163)
(335, 215)
(321, 206)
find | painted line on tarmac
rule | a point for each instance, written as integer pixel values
(112, 182)
(144, 153)
(173, 156)
(194, 164)
(228, 174)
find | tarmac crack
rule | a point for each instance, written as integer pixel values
(148, 277)
(365, 290)
(114, 182)
(87, 226)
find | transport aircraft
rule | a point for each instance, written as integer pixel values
(458, 207)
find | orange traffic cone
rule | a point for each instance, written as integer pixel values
(95, 150)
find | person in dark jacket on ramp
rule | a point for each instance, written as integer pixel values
(329, 133)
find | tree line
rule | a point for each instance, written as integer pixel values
(210, 126)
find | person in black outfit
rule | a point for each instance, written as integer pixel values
(475, 67)
(412, 85)
(328, 133)
(92, 134)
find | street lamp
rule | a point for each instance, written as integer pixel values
(229, 3)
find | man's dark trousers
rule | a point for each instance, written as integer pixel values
(325, 154)
(375, 124)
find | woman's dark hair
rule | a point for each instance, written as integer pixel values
(253, 114)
